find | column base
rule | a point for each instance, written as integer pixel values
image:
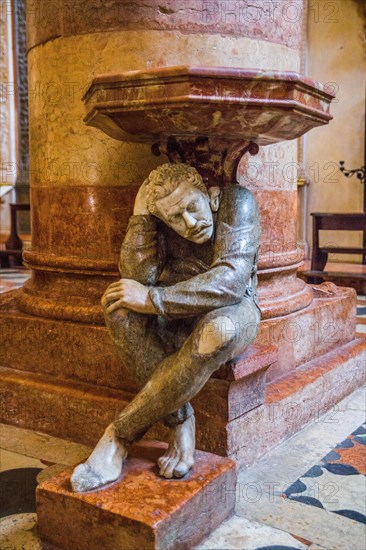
(71, 384)
(142, 510)
(228, 422)
(84, 352)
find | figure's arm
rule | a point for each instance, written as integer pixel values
(140, 257)
(236, 245)
(140, 262)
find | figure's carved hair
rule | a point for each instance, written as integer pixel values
(166, 178)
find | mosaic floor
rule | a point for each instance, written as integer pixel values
(13, 278)
(361, 314)
(276, 508)
(338, 482)
(308, 493)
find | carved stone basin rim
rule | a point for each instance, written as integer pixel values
(226, 103)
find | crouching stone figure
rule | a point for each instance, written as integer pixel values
(185, 304)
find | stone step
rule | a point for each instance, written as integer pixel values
(80, 412)
(60, 407)
(142, 510)
(85, 353)
(298, 399)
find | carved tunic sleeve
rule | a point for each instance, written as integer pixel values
(236, 244)
(140, 257)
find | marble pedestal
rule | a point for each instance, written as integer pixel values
(73, 384)
(67, 380)
(142, 510)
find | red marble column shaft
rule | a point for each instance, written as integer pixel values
(78, 225)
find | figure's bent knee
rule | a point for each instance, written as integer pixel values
(117, 318)
(118, 323)
(228, 333)
(120, 315)
(216, 335)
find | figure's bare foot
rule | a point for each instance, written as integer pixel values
(103, 466)
(178, 458)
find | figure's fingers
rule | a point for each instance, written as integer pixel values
(117, 284)
(107, 301)
(116, 305)
(116, 295)
(104, 300)
(122, 284)
(109, 296)
(117, 288)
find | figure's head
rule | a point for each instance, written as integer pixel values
(177, 195)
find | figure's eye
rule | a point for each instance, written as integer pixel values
(192, 207)
(174, 219)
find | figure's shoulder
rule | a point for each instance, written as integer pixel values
(236, 198)
(237, 191)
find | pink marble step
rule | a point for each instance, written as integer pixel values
(298, 399)
(141, 510)
(80, 412)
(85, 353)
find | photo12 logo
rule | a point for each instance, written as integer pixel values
(269, 11)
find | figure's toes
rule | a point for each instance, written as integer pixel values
(169, 469)
(182, 468)
(84, 479)
(166, 458)
(162, 460)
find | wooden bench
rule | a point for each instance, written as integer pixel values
(14, 244)
(338, 222)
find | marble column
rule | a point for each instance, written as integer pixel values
(83, 182)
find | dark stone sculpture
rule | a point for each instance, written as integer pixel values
(185, 304)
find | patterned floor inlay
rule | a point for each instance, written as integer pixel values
(361, 315)
(19, 532)
(13, 278)
(338, 482)
(17, 489)
(240, 533)
(18, 482)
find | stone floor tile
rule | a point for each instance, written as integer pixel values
(239, 533)
(308, 522)
(281, 466)
(18, 532)
(10, 460)
(42, 446)
(355, 401)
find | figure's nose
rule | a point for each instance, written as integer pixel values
(189, 220)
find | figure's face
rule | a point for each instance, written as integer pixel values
(187, 210)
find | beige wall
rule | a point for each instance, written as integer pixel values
(7, 120)
(336, 54)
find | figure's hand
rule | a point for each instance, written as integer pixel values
(140, 208)
(129, 294)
